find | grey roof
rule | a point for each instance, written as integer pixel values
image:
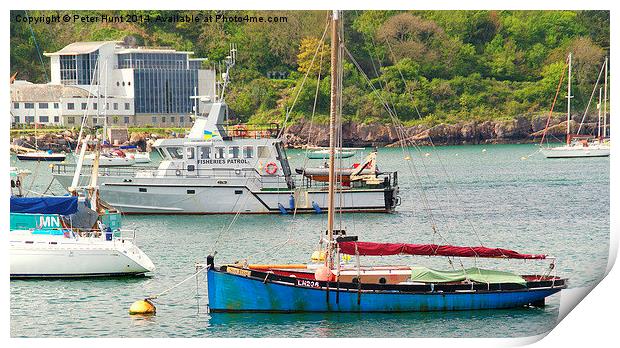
(45, 92)
(81, 48)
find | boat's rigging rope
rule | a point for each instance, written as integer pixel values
(555, 98)
(36, 44)
(402, 134)
(598, 79)
(303, 81)
(449, 178)
(406, 152)
(36, 174)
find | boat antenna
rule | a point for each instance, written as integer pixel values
(230, 62)
(333, 111)
(605, 99)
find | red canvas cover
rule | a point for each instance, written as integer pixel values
(384, 249)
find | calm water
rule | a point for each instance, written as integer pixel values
(559, 207)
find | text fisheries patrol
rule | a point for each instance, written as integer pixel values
(145, 18)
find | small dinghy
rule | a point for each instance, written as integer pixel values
(324, 154)
(365, 171)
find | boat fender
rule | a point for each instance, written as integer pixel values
(316, 207)
(271, 168)
(178, 172)
(238, 171)
(282, 209)
(323, 273)
(291, 202)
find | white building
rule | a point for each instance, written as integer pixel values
(140, 86)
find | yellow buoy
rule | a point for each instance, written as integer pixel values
(407, 158)
(142, 307)
(318, 255)
(523, 158)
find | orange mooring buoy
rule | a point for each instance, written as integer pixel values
(142, 307)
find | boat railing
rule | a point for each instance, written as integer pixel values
(253, 177)
(388, 179)
(120, 234)
(251, 131)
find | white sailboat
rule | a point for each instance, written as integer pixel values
(72, 236)
(582, 145)
(111, 158)
(37, 155)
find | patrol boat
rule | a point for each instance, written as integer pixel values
(220, 169)
(223, 169)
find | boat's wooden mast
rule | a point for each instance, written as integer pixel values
(333, 109)
(570, 63)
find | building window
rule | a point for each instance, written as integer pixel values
(154, 119)
(126, 106)
(107, 106)
(172, 119)
(189, 153)
(248, 151)
(263, 152)
(205, 152)
(126, 119)
(233, 152)
(29, 119)
(16, 119)
(55, 105)
(219, 152)
(84, 106)
(163, 119)
(95, 120)
(15, 105)
(70, 120)
(175, 152)
(70, 106)
(29, 105)
(43, 106)
(94, 106)
(56, 119)
(181, 119)
(44, 119)
(115, 106)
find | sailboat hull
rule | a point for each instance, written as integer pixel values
(571, 152)
(238, 293)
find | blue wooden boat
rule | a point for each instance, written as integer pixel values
(235, 288)
(334, 286)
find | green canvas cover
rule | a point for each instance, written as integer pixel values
(474, 274)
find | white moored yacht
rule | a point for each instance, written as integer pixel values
(71, 236)
(578, 145)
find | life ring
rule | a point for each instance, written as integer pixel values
(240, 131)
(271, 168)
(178, 172)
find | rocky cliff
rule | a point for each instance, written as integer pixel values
(522, 129)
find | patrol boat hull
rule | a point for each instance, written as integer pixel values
(230, 196)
